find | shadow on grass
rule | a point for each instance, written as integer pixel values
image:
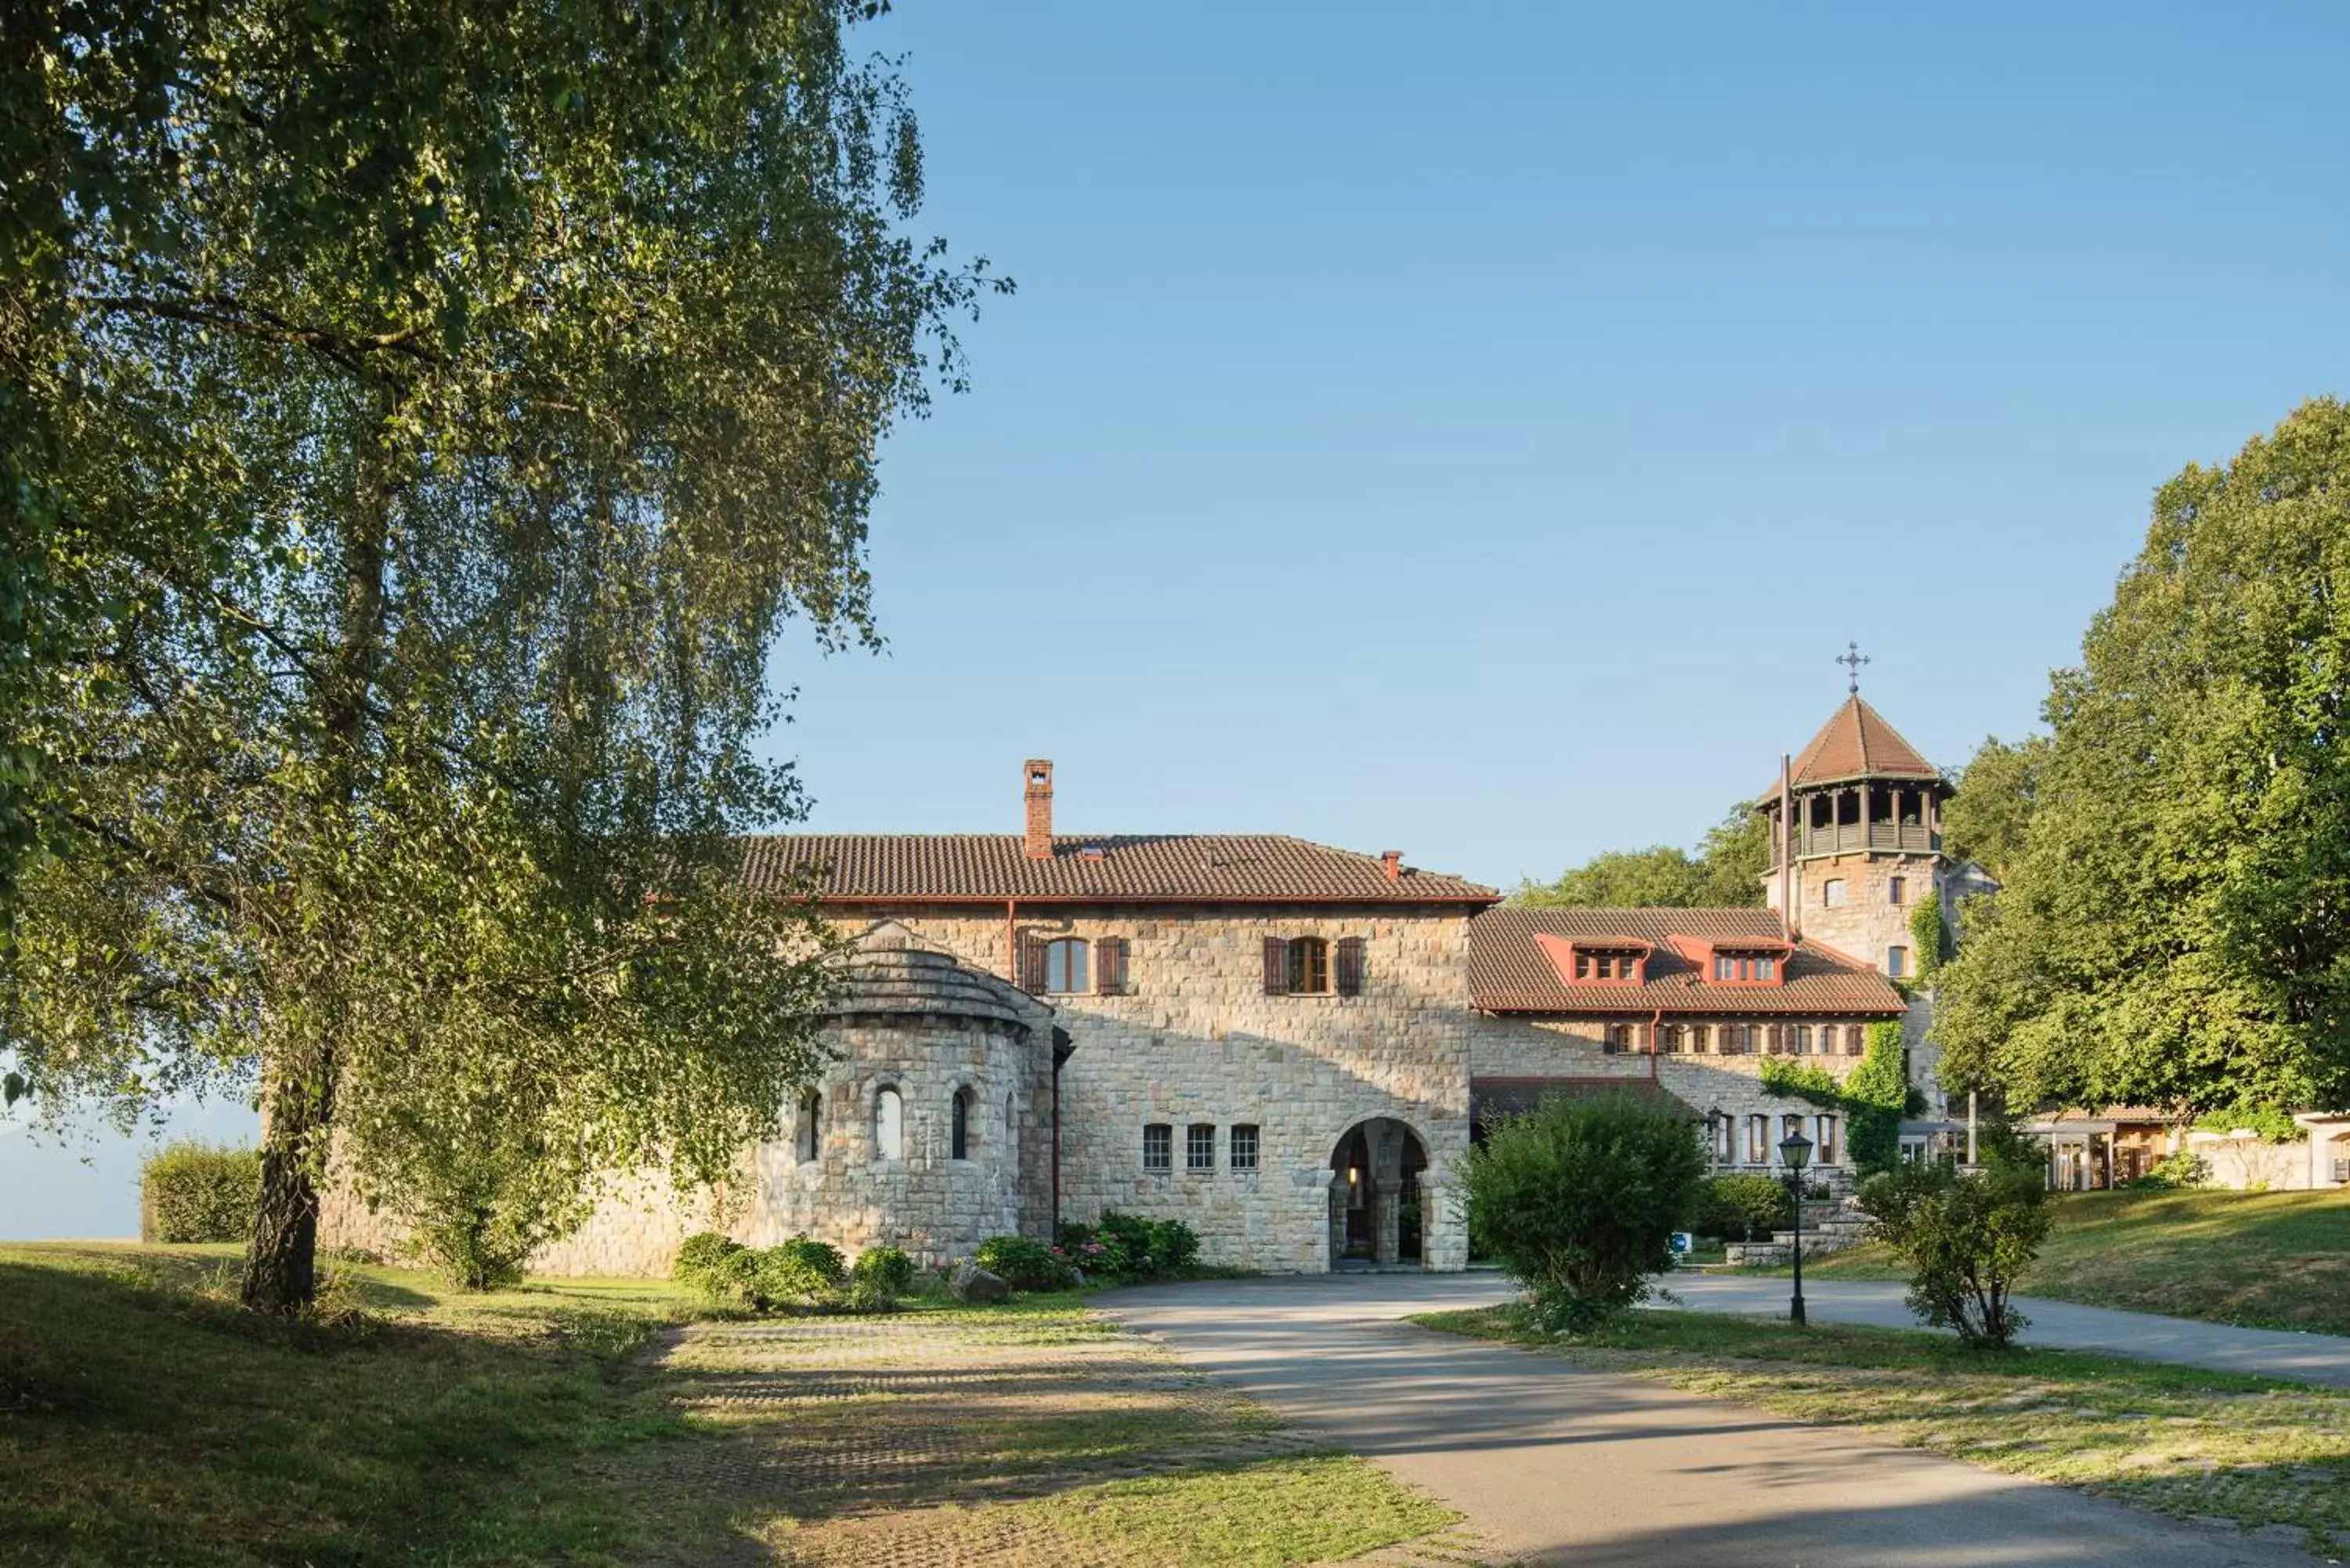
(143, 1417)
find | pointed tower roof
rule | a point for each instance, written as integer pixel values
(1858, 743)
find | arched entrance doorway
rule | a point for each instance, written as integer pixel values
(1376, 1213)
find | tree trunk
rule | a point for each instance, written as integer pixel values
(281, 1260)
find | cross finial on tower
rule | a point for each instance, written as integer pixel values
(1852, 658)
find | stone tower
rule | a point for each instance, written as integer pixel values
(1866, 841)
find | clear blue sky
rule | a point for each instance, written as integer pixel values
(1473, 431)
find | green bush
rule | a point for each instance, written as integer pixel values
(1741, 1208)
(1965, 1237)
(2180, 1169)
(1578, 1200)
(1025, 1264)
(699, 1254)
(800, 1272)
(886, 1271)
(1129, 1247)
(194, 1191)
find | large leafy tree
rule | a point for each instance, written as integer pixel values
(2175, 928)
(435, 460)
(1990, 817)
(1726, 872)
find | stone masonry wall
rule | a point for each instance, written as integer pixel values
(1868, 922)
(1512, 1047)
(1198, 1042)
(934, 1206)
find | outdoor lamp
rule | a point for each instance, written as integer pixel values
(1795, 1153)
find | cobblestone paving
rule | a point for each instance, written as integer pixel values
(941, 1440)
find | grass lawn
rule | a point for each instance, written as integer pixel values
(2264, 1259)
(143, 1419)
(2171, 1438)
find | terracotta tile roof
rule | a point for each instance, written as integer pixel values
(1130, 867)
(1508, 972)
(1857, 743)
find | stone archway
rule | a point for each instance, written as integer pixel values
(1377, 1209)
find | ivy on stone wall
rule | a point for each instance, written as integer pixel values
(1873, 1100)
(1929, 938)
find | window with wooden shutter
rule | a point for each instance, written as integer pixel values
(1031, 965)
(1110, 966)
(1350, 966)
(1277, 967)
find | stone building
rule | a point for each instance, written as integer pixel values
(1287, 1045)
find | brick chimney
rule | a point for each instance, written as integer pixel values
(1038, 772)
(1393, 860)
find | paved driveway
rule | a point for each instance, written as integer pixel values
(1557, 1465)
(2058, 1325)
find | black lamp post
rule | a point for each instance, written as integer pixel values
(1795, 1153)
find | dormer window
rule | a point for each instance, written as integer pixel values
(1606, 966)
(1745, 966)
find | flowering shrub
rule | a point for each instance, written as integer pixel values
(1128, 1247)
(1025, 1264)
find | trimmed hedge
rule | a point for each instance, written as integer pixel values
(195, 1191)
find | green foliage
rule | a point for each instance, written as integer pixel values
(486, 1193)
(1965, 1237)
(1725, 873)
(1873, 1098)
(701, 1252)
(195, 1191)
(399, 672)
(1025, 1264)
(1578, 1199)
(2265, 1121)
(1929, 938)
(800, 1273)
(1742, 1207)
(1989, 819)
(2171, 932)
(1128, 1247)
(886, 1272)
(1878, 1095)
(1802, 1081)
(2176, 1170)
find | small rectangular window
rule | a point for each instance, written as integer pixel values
(1832, 891)
(1897, 890)
(1200, 1147)
(1721, 969)
(1243, 1154)
(1158, 1146)
(1758, 1139)
(1064, 967)
(1896, 961)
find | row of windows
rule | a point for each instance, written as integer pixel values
(1740, 966)
(1199, 1147)
(1300, 966)
(1738, 1039)
(888, 1124)
(1761, 1149)
(1606, 966)
(1836, 893)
